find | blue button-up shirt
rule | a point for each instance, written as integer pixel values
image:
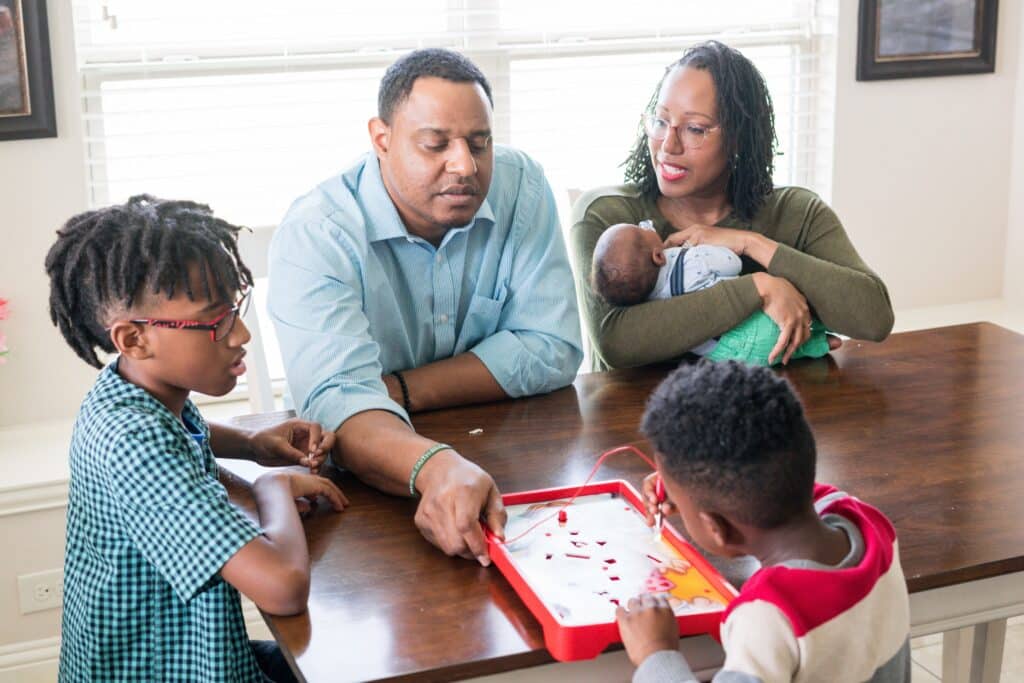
(353, 295)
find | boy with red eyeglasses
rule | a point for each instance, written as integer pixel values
(156, 554)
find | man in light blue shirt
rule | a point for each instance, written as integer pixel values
(432, 273)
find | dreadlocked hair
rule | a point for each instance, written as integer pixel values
(748, 127)
(106, 260)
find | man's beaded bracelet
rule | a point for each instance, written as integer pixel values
(427, 455)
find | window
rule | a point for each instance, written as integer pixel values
(247, 105)
(245, 143)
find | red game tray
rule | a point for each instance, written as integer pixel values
(578, 617)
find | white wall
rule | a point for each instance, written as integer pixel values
(34, 542)
(42, 183)
(1013, 277)
(921, 171)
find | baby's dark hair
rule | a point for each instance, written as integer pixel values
(735, 437)
(107, 260)
(622, 276)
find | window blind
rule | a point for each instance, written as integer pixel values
(247, 105)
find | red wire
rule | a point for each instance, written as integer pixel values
(597, 465)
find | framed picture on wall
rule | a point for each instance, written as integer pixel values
(26, 79)
(914, 38)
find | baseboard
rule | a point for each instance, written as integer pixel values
(29, 655)
(18, 500)
(32, 653)
(1001, 312)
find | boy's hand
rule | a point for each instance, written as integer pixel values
(647, 625)
(307, 488)
(293, 442)
(650, 496)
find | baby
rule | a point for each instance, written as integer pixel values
(631, 265)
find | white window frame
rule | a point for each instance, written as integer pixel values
(473, 30)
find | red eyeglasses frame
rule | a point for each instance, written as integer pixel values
(238, 310)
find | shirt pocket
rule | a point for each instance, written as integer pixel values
(482, 318)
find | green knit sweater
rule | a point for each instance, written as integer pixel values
(814, 254)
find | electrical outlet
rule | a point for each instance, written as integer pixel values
(41, 591)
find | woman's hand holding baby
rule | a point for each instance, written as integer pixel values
(740, 242)
(788, 308)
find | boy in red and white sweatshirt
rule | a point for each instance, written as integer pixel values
(737, 460)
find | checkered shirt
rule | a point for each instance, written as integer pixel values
(149, 527)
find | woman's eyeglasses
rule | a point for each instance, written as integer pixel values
(691, 135)
(219, 328)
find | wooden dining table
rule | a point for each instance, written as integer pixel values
(927, 426)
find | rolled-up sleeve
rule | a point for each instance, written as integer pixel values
(316, 304)
(538, 346)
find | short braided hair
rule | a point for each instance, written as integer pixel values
(747, 118)
(107, 260)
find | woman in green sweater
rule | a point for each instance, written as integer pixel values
(701, 170)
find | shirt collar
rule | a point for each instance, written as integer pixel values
(382, 219)
(111, 383)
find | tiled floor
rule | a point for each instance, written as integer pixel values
(927, 655)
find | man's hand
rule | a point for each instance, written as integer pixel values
(647, 625)
(456, 493)
(788, 308)
(293, 442)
